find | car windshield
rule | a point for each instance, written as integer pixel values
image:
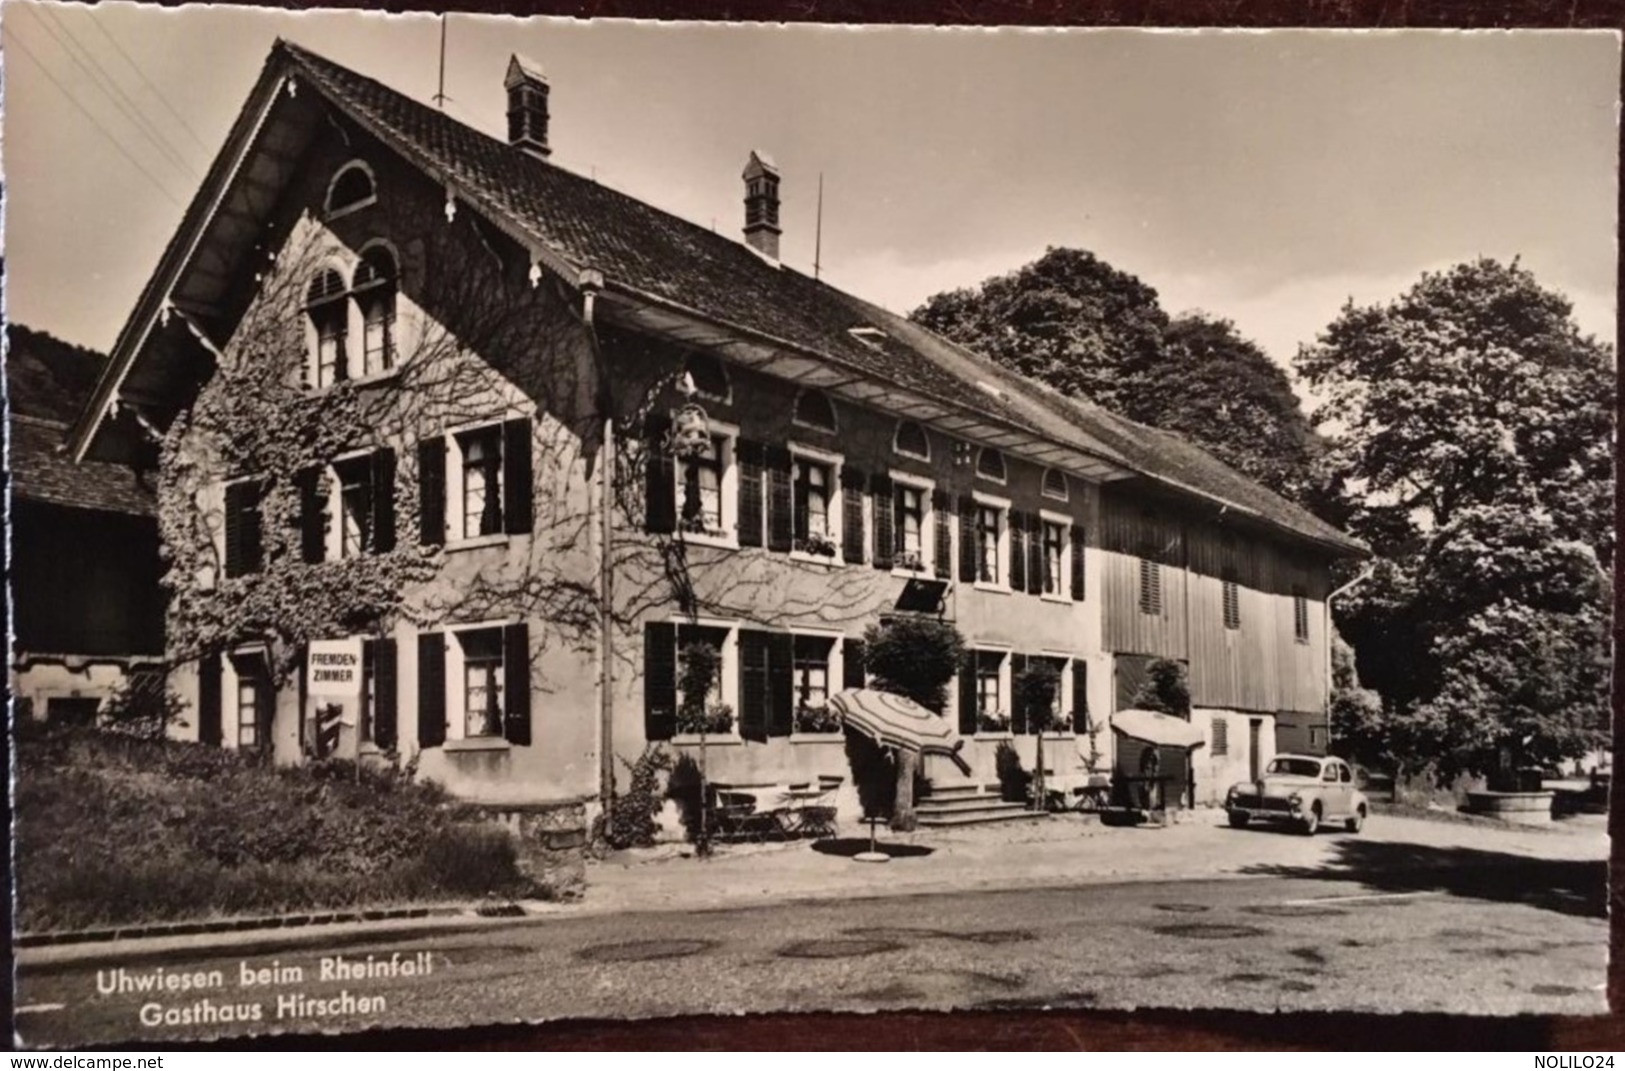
(1294, 767)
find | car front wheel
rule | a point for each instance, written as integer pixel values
(1238, 819)
(1356, 821)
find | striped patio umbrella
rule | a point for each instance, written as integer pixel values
(895, 721)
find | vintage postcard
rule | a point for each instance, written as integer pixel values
(545, 519)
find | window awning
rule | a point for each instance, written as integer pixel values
(1154, 727)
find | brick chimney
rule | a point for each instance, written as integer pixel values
(762, 205)
(527, 105)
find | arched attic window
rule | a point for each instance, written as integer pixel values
(911, 441)
(376, 282)
(813, 409)
(352, 187)
(325, 305)
(990, 464)
(1055, 484)
(710, 378)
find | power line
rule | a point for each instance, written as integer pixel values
(113, 91)
(154, 90)
(13, 39)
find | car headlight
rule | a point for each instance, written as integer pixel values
(1296, 800)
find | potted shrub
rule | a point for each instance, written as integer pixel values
(810, 719)
(992, 721)
(817, 543)
(909, 559)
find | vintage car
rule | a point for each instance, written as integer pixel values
(1302, 790)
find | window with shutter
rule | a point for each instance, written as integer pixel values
(383, 501)
(1052, 558)
(659, 680)
(1035, 555)
(431, 689)
(1232, 601)
(1078, 562)
(660, 476)
(880, 499)
(1300, 615)
(968, 694)
(1018, 551)
(780, 503)
(432, 492)
(312, 515)
(1150, 584)
(853, 534)
(1080, 696)
(517, 484)
(853, 674)
(1221, 735)
(209, 701)
(750, 493)
(516, 689)
(753, 685)
(942, 523)
(355, 506)
(383, 697)
(969, 542)
(780, 683)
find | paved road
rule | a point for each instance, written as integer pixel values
(1503, 940)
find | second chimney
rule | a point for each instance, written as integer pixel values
(527, 105)
(762, 205)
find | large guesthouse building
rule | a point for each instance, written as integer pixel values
(462, 453)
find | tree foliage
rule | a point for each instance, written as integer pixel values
(1473, 454)
(1166, 689)
(914, 657)
(1072, 321)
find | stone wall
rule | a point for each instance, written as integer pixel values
(551, 843)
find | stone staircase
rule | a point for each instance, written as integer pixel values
(966, 803)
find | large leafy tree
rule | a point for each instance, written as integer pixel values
(1076, 323)
(1472, 451)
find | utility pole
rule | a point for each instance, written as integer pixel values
(440, 94)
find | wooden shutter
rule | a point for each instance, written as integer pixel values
(967, 694)
(852, 533)
(1037, 560)
(780, 519)
(383, 501)
(659, 680)
(753, 685)
(234, 528)
(208, 700)
(1080, 696)
(1078, 550)
(880, 498)
(385, 692)
(798, 511)
(516, 683)
(1150, 585)
(659, 476)
(432, 492)
(780, 683)
(967, 538)
(1018, 550)
(942, 522)
(431, 689)
(312, 515)
(853, 653)
(518, 486)
(750, 493)
(1018, 706)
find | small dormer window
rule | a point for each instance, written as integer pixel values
(352, 188)
(814, 410)
(710, 378)
(911, 441)
(869, 336)
(990, 464)
(1055, 484)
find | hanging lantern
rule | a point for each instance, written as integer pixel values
(690, 432)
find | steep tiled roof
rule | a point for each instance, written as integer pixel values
(43, 471)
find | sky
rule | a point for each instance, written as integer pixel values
(1266, 178)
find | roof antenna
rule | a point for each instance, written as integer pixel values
(818, 229)
(440, 97)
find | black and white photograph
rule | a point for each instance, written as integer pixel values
(537, 520)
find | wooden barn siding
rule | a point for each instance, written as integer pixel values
(1125, 531)
(1257, 667)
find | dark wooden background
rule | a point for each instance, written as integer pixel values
(1144, 1030)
